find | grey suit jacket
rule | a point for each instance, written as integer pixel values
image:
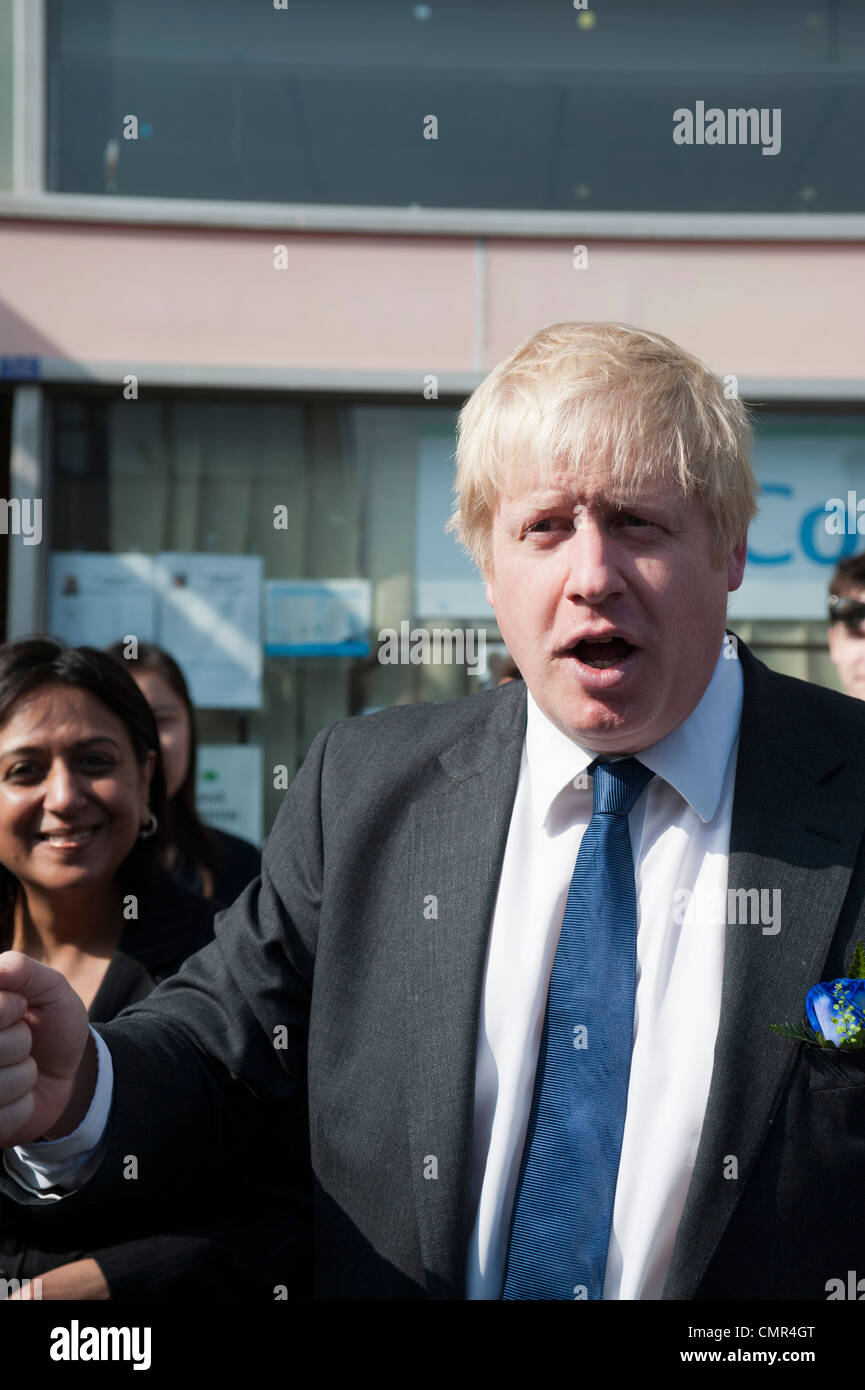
(333, 997)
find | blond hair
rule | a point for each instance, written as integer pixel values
(621, 396)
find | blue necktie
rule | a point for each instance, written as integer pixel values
(563, 1210)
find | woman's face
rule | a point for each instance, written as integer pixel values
(72, 795)
(172, 721)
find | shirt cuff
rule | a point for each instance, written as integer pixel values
(68, 1162)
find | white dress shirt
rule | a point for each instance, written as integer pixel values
(680, 835)
(680, 838)
(66, 1163)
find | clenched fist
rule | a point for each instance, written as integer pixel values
(47, 1058)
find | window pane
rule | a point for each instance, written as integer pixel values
(538, 106)
(6, 94)
(198, 475)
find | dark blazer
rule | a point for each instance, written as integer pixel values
(155, 1248)
(332, 995)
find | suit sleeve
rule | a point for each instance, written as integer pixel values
(163, 1267)
(261, 1245)
(231, 1023)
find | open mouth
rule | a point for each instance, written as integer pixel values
(68, 839)
(603, 653)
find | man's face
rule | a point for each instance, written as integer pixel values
(847, 650)
(570, 564)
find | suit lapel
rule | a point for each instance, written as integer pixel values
(456, 845)
(786, 834)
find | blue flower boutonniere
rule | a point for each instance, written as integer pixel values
(836, 1011)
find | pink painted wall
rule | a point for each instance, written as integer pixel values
(189, 296)
(198, 297)
(778, 310)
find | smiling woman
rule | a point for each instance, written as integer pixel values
(82, 816)
(82, 795)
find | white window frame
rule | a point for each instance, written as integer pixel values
(30, 199)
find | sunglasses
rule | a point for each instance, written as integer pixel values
(849, 611)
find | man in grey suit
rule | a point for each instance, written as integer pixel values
(386, 981)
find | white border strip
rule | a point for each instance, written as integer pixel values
(28, 100)
(458, 222)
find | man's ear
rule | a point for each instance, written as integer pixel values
(736, 565)
(486, 569)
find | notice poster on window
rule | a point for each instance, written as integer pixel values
(204, 610)
(318, 617)
(95, 599)
(209, 618)
(228, 788)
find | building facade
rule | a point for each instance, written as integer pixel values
(254, 257)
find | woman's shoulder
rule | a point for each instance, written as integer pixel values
(171, 925)
(239, 864)
(126, 981)
(237, 851)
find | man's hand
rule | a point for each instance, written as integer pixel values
(83, 1279)
(47, 1059)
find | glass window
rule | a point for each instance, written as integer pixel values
(6, 93)
(802, 459)
(366, 490)
(204, 476)
(489, 104)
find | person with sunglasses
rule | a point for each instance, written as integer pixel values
(847, 624)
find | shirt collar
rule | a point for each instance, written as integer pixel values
(692, 758)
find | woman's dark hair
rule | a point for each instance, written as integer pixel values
(29, 665)
(194, 841)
